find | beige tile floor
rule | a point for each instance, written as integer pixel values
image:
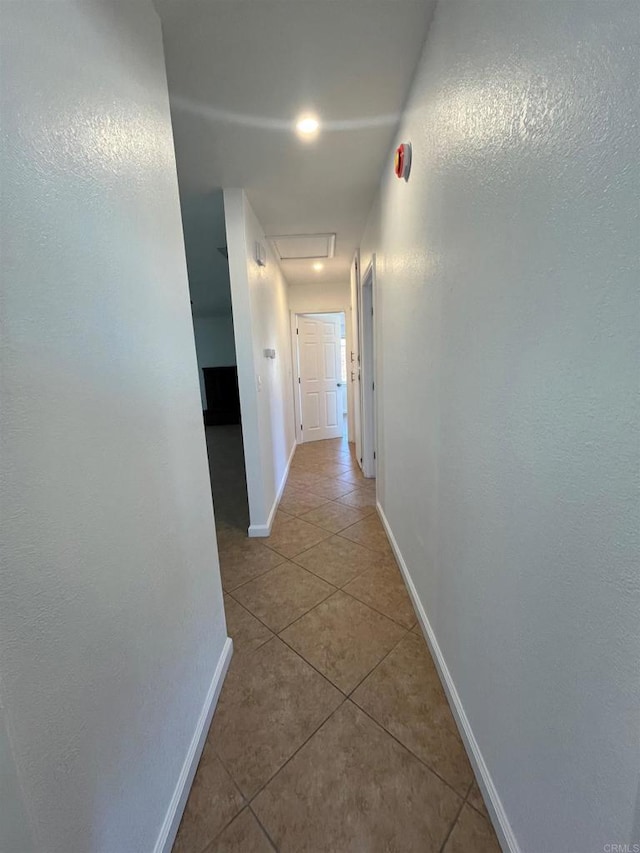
(332, 732)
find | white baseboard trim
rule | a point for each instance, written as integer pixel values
(262, 530)
(185, 780)
(496, 810)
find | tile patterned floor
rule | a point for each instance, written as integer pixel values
(332, 732)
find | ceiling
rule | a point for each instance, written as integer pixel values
(240, 71)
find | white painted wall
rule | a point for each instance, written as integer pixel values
(15, 833)
(261, 321)
(111, 616)
(215, 345)
(318, 297)
(507, 321)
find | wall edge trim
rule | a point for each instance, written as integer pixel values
(178, 802)
(495, 808)
(262, 530)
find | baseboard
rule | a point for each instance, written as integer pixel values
(262, 530)
(185, 780)
(494, 805)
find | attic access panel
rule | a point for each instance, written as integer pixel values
(297, 247)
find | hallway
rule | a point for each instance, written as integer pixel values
(332, 731)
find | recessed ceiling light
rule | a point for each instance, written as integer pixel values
(318, 266)
(307, 126)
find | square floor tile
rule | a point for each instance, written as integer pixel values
(370, 533)
(213, 802)
(301, 502)
(383, 589)
(334, 516)
(247, 632)
(476, 800)
(243, 835)
(338, 560)
(405, 696)
(295, 536)
(353, 789)
(360, 498)
(271, 702)
(244, 561)
(282, 595)
(472, 832)
(343, 639)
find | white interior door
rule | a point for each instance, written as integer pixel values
(320, 376)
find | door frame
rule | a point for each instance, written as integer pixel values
(354, 365)
(295, 362)
(368, 382)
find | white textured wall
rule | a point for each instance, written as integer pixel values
(215, 345)
(507, 321)
(261, 321)
(15, 832)
(315, 297)
(111, 617)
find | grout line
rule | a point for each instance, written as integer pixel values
(228, 772)
(308, 663)
(332, 532)
(249, 800)
(375, 609)
(277, 633)
(355, 577)
(477, 810)
(369, 548)
(306, 613)
(410, 751)
(297, 518)
(376, 665)
(246, 610)
(264, 829)
(455, 820)
(245, 802)
(261, 575)
(303, 744)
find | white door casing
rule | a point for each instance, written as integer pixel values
(368, 371)
(354, 362)
(319, 373)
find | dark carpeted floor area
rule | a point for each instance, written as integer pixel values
(228, 478)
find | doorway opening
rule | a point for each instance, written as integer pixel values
(203, 219)
(320, 380)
